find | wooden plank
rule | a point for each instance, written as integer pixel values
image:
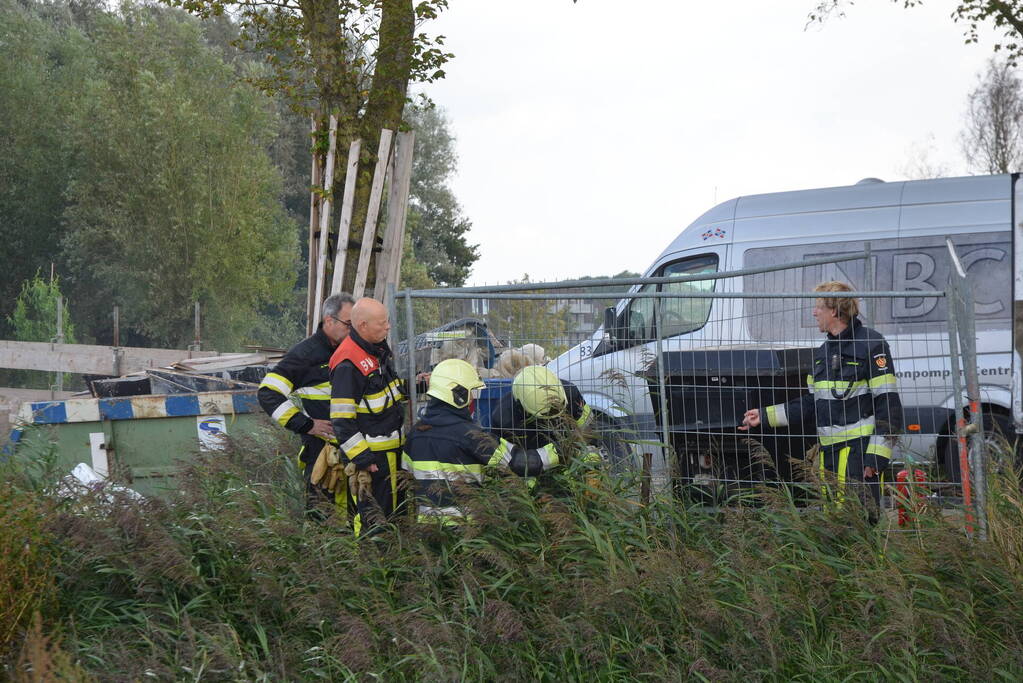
(88, 359)
(369, 233)
(328, 192)
(314, 220)
(344, 228)
(384, 260)
(389, 270)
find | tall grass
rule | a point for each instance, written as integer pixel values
(228, 580)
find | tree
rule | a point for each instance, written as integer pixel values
(435, 219)
(351, 58)
(173, 199)
(523, 321)
(34, 319)
(43, 64)
(1005, 16)
(992, 141)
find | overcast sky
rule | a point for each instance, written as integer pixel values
(591, 134)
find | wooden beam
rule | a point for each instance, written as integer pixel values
(328, 193)
(88, 359)
(389, 265)
(344, 227)
(369, 232)
(314, 220)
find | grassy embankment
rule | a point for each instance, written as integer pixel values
(229, 582)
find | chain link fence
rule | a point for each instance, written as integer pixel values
(668, 367)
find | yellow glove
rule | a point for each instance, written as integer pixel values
(326, 469)
(360, 482)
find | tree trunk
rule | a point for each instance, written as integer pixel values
(383, 110)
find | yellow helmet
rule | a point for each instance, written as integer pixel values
(452, 381)
(539, 391)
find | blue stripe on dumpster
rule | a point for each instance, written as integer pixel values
(13, 440)
(183, 404)
(115, 409)
(245, 403)
(49, 412)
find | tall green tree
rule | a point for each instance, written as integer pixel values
(43, 63)
(435, 220)
(351, 58)
(34, 319)
(174, 198)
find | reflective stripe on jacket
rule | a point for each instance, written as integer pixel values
(303, 373)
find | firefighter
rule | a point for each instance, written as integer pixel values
(853, 398)
(367, 411)
(446, 448)
(304, 373)
(540, 422)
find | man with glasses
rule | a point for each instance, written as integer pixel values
(304, 373)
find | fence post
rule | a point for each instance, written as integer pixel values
(957, 394)
(868, 283)
(60, 340)
(662, 388)
(968, 340)
(410, 348)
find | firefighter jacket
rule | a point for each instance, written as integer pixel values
(529, 445)
(444, 449)
(304, 373)
(853, 394)
(366, 398)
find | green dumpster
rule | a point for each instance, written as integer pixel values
(139, 441)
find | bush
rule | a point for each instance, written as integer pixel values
(229, 580)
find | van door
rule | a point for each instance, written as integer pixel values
(616, 373)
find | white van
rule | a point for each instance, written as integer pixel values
(905, 225)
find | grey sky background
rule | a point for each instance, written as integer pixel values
(589, 135)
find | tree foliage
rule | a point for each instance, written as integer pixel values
(43, 62)
(351, 58)
(992, 140)
(1004, 16)
(174, 199)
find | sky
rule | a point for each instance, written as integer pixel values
(589, 135)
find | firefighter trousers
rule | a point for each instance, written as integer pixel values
(845, 461)
(373, 512)
(316, 496)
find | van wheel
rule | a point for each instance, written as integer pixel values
(614, 449)
(999, 440)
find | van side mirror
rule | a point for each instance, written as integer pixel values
(611, 324)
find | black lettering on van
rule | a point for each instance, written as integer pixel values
(911, 273)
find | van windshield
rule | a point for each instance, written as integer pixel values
(682, 316)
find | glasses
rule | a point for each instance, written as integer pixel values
(346, 323)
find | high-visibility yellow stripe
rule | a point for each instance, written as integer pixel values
(838, 384)
(854, 433)
(341, 408)
(502, 455)
(392, 467)
(316, 393)
(882, 381)
(356, 444)
(278, 383)
(878, 447)
(777, 416)
(420, 466)
(585, 417)
(285, 412)
(809, 381)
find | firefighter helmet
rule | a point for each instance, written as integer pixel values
(539, 391)
(452, 381)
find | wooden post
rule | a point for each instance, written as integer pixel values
(344, 227)
(314, 221)
(328, 192)
(372, 211)
(389, 266)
